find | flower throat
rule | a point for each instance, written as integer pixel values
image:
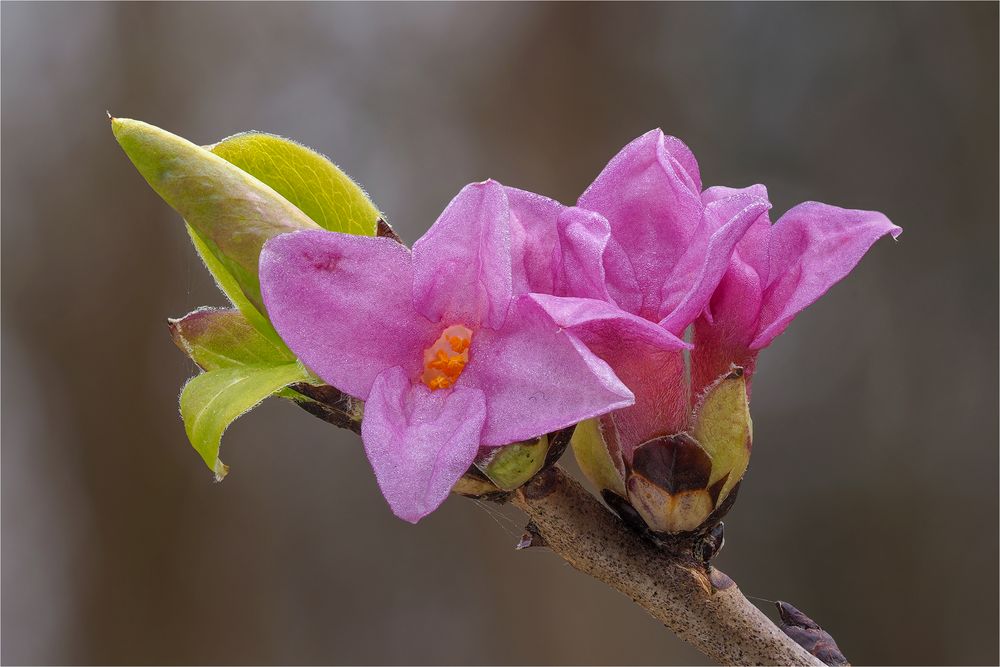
(447, 357)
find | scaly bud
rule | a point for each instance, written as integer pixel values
(676, 483)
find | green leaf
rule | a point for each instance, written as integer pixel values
(210, 402)
(227, 283)
(223, 338)
(305, 178)
(232, 212)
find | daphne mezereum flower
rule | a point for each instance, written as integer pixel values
(775, 272)
(645, 240)
(640, 244)
(447, 355)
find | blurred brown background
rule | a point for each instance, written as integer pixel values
(872, 497)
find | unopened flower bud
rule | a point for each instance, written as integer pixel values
(676, 482)
(511, 466)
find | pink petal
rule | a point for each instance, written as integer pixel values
(622, 283)
(718, 192)
(563, 250)
(584, 237)
(419, 441)
(811, 248)
(694, 279)
(534, 241)
(724, 340)
(343, 305)
(752, 248)
(537, 378)
(651, 198)
(462, 265)
(646, 358)
(683, 156)
(604, 327)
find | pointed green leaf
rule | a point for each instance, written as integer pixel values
(227, 283)
(223, 338)
(231, 212)
(210, 402)
(305, 178)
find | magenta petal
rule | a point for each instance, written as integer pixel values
(717, 192)
(652, 201)
(419, 441)
(811, 248)
(662, 398)
(343, 305)
(752, 248)
(723, 340)
(726, 221)
(537, 378)
(462, 265)
(604, 327)
(683, 156)
(622, 284)
(562, 250)
(584, 237)
(644, 356)
(534, 241)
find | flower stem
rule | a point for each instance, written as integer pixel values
(705, 608)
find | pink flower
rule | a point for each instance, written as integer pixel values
(646, 249)
(446, 353)
(775, 272)
(641, 251)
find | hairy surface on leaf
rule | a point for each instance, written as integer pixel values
(223, 338)
(304, 177)
(232, 212)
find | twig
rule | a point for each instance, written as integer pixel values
(702, 607)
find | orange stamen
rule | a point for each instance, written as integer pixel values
(439, 383)
(445, 360)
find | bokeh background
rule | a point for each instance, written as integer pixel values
(872, 500)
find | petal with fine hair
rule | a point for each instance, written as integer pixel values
(537, 378)
(694, 279)
(652, 201)
(812, 247)
(584, 240)
(343, 304)
(603, 327)
(646, 358)
(534, 241)
(561, 250)
(419, 442)
(724, 339)
(462, 265)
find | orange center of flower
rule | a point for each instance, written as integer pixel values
(445, 359)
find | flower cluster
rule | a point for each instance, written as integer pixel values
(515, 316)
(632, 319)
